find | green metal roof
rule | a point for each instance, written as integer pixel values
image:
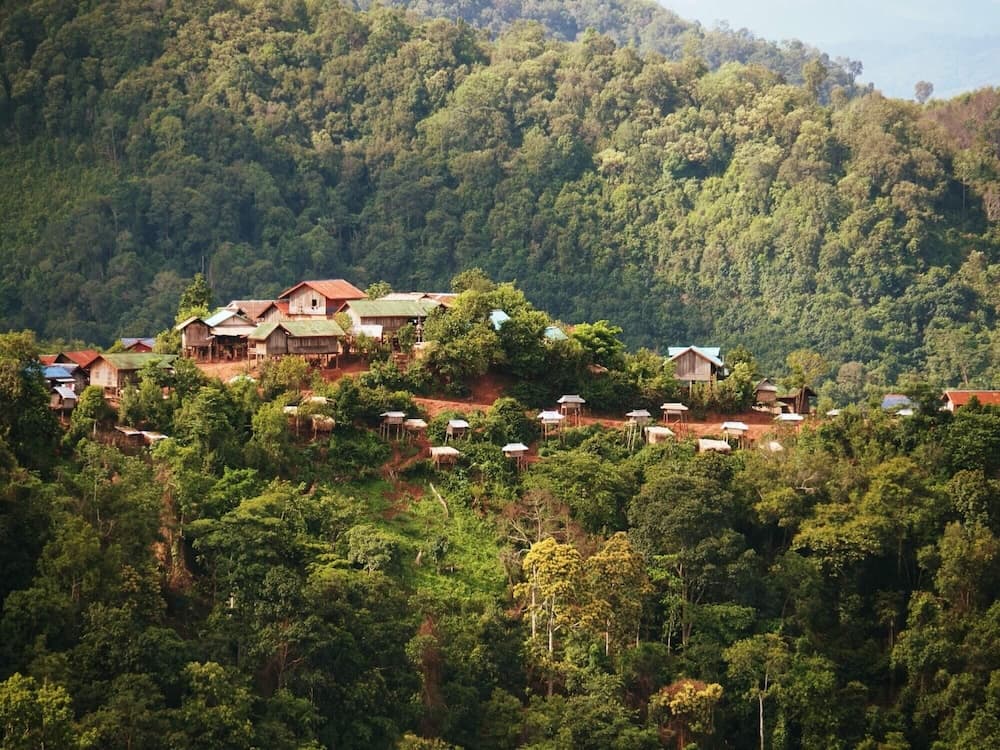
(136, 361)
(262, 331)
(299, 328)
(392, 308)
(322, 327)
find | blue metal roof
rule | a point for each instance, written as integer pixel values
(895, 401)
(498, 318)
(55, 372)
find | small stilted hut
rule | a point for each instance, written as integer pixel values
(516, 451)
(571, 405)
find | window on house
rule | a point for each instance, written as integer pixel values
(315, 303)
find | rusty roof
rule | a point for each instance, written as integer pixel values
(961, 398)
(252, 308)
(329, 288)
(82, 357)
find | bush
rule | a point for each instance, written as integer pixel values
(507, 422)
(355, 453)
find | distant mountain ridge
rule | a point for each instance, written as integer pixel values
(645, 24)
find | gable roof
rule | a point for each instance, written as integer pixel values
(264, 330)
(129, 341)
(393, 308)
(962, 397)
(47, 359)
(136, 360)
(329, 288)
(222, 315)
(251, 308)
(185, 323)
(323, 327)
(766, 385)
(81, 357)
(711, 353)
(298, 328)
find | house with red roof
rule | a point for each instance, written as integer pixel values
(954, 399)
(319, 299)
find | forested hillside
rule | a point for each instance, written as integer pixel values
(266, 142)
(251, 582)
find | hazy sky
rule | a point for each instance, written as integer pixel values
(955, 44)
(817, 21)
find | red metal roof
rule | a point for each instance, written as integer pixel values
(329, 288)
(252, 308)
(47, 359)
(83, 357)
(961, 398)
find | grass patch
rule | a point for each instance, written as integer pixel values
(458, 552)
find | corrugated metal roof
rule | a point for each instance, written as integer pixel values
(329, 288)
(551, 416)
(298, 328)
(555, 333)
(82, 357)
(711, 353)
(322, 327)
(735, 426)
(129, 341)
(961, 398)
(66, 394)
(252, 308)
(223, 315)
(137, 360)
(264, 330)
(498, 318)
(185, 323)
(55, 372)
(392, 308)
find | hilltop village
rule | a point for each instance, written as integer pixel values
(323, 323)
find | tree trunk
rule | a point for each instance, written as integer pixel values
(760, 708)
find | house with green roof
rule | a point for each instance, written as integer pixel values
(320, 340)
(389, 314)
